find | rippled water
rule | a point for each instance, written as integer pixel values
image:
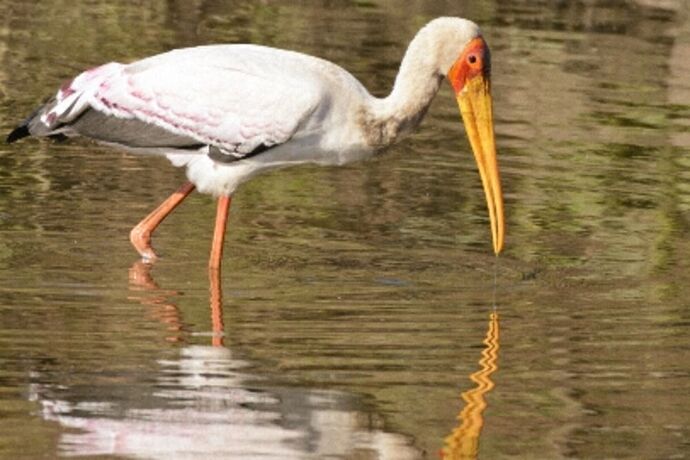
(352, 318)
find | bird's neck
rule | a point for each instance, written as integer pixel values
(402, 110)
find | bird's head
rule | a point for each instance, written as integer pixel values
(468, 69)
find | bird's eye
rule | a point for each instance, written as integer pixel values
(472, 59)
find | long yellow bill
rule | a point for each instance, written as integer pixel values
(476, 108)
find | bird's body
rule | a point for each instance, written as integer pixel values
(229, 112)
(160, 105)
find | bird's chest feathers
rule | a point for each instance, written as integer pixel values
(379, 132)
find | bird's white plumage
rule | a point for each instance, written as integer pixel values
(241, 97)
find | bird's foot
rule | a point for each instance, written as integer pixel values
(148, 257)
(141, 240)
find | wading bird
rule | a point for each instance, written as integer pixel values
(229, 112)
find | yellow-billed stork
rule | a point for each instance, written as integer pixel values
(229, 112)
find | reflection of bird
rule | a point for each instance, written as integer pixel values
(205, 402)
(229, 112)
(463, 442)
(140, 279)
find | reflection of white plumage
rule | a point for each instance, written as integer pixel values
(203, 404)
(228, 112)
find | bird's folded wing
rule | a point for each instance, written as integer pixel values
(235, 110)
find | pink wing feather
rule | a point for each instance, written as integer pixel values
(218, 95)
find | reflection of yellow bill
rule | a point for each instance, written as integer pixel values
(463, 442)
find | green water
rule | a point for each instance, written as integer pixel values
(355, 301)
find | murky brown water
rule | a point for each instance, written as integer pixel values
(354, 320)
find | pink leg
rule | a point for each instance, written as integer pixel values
(140, 236)
(214, 263)
(216, 308)
(219, 232)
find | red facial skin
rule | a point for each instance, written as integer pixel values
(473, 61)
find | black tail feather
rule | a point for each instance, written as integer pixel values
(23, 130)
(18, 133)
